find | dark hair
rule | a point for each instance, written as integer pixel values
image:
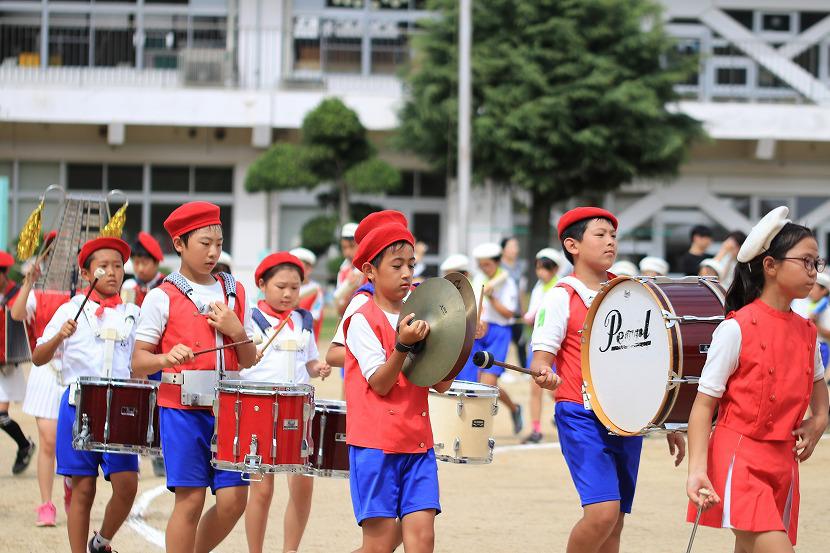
(748, 281)
(577, 231)
(4, 270)
(186, 236)
(504, 241)
(738, 236)
(266, 276)
(547, 264)
(88, 261)
(700, 230)
(395, 246)
(138, 250)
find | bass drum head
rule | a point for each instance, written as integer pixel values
(627, 356)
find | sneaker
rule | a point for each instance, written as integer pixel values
(517, 419)
(46, 514)
(92, 549)
(24, 457)
(533, 438)
(67, 494)
(158, 467)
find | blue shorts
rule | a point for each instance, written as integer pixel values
(185, 444)
(392, 485)
(72, 462)
(825, 352)
(496, 341)
(603, 467)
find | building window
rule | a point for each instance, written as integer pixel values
(427, 227)
(777, 22)
(170, 178)
(84, 176)
(731, 76)
(125, 177)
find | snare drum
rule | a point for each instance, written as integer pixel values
(262, 427)
(113, 415)
(328, 433)
(462, 422)
(644, 345)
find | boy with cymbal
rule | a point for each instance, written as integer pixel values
(603, 466)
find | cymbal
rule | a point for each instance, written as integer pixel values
(462, 284)
(438, 302)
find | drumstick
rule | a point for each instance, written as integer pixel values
(274, 335)
(480, 307)
(484, 360)
(99, 273)
(255, 340)
(704, 492)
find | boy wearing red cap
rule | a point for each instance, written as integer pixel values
(146, 258)
(193, 310)
(603, 467)
(12, 381)
(81, 350)
(393, 470)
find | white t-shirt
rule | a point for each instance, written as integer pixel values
(276, 364)
(356, 303)
(552, 319)
(155, 311)
(540, 289)
(82, 354)
(722, 359)
(365, 345)
(508, 295)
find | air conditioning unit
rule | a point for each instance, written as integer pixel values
(205, 66)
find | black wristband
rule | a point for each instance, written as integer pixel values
(403, 348)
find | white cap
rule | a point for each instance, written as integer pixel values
(623, 268)
(554, 255)
(305, 255)
(455, 262)
(348, 230)
(762, 234)
(128, 268)
(488, 250)
(225, 259)
(823, 279)
(654, 264)
(713, 264)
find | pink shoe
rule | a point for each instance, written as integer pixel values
(67, 494)
(46, 514)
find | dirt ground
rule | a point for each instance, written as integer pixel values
(523, 501)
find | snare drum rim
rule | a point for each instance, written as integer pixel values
(113, 447)
(482, 390)
(330, 405)
(673, 337)
(117, 382)
(329, 473)
(257, 387)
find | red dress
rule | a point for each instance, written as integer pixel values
(751, 462)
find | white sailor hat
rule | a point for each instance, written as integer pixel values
(455, 262)
(225, 258)
(762, 234)
(623, 268)
(305, 255)
(823, 279)
(655, 264)
(348, 230)
(554, 255)
(488, 250)
(713, 264)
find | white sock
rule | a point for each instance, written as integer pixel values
(100, 541)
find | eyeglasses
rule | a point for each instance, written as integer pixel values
(811, 264)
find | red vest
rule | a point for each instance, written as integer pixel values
(185, 325)
(141, 291)
(7, 302)
(395, 423)
(46, 304)
(569, 357)
(768, 394)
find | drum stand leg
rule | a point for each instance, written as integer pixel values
(274, 433)
(107, 421)
(322, 439)
(304, 452)
(82, 436)
(151, 435)
(253, 462)
(236, 407)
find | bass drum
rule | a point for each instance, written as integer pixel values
(644, 345)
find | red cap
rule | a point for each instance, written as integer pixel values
(191, 216)
(580, 214)
(378, 239)
(278, 259)
(51, 235)
(151, 245)
(6, 260)
(96, 244)
(376, 219)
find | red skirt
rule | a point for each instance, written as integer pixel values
(757, 482)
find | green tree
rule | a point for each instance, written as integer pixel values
(569, 97)
(334, 148)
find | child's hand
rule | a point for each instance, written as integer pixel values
(259, 356)
(33, 274)
(676, 442)
(481, 329)
(696, 482)
(411, 331)
(323, 369)
(808, 435)
(68, 329)
(224, 320)
(179, 355)
(547, 378)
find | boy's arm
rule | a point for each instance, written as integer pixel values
(18, 309)
(146, 361)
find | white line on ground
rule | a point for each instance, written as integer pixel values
(136, 519)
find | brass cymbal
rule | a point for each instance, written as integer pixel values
(438, 302)
(462, 284)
